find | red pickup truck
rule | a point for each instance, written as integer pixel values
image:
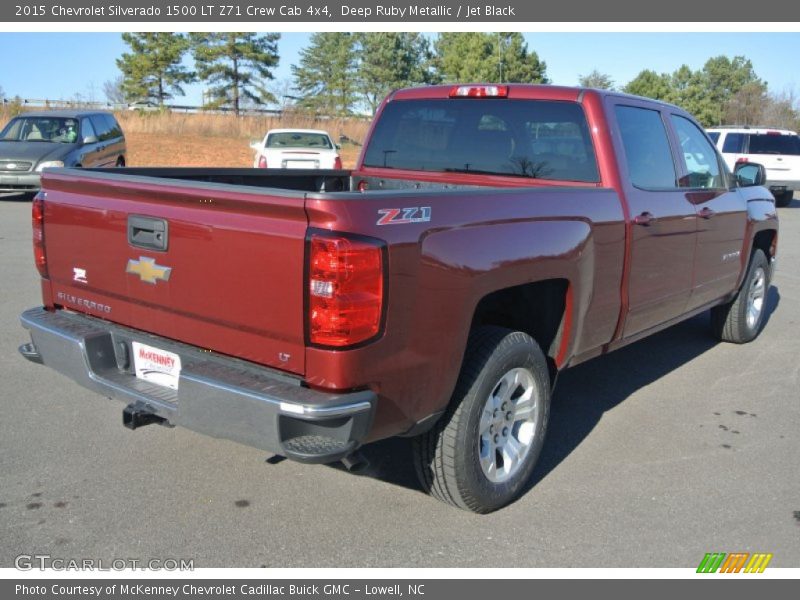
(489, 237)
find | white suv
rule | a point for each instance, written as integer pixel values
(777, 149)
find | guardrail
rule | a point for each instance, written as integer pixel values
(75, 104)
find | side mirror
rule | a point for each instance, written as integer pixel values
(749, 174)
(90, 139)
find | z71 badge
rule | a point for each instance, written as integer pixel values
(404, 216)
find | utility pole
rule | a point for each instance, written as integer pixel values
(500, 54)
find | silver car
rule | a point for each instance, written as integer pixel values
(34, 141)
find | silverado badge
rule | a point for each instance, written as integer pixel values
(147, 270)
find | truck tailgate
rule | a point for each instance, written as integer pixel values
(230, 279)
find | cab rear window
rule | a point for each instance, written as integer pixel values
(537, 139)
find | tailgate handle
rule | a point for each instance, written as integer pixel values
(147, 232)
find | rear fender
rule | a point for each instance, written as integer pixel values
(462, 266)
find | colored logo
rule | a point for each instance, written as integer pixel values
(147, 270)
(403, 216)
(736, 562)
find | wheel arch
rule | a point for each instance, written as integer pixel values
(542, 309)
(766, 240)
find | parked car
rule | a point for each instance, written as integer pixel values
(490, 237)
(35, 141)
(296, 149)
(144, 106)
(777, 149)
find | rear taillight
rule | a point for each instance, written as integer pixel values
(742, 160)
(37, 220)
(337, 162)
(345, 290)
(262, 162)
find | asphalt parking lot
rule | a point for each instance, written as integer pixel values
(663, 451)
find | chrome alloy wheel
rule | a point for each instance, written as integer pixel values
(508, 425)
(755, 297)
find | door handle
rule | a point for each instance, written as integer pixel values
(646, 219)
(706, 213)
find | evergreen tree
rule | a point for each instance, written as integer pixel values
(326, 76)
(596, 80)
(389, 61)
(723, 89)
(153, 70)
(690, 92)
(724, 78)
(477, 57)
(650, 84)
(236, 65)
(517, 63)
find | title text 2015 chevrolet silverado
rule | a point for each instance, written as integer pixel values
(489, 237)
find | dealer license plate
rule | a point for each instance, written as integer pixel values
(156, 365)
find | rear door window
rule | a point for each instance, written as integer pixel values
(766, 143)
(536, 139)
(647, 149)
(101, 127)
(714, 135)
(734, 143)
(87, 129)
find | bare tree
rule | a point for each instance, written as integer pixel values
(113, 91)
(781, 110)
(283, 90)
(746, 106)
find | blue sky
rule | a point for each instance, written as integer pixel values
(61, 65)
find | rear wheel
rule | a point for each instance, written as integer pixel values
(739, 321)
(120, 162)
(784, 199)
(480, 456)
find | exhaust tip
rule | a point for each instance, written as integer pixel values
(355, 462)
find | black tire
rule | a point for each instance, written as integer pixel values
(729, 321)
(447, 457)
(120, 162)
(784, 199)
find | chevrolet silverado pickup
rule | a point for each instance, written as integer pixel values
(489, 237)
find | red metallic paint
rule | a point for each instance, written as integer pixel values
(237, 263)
(238, 260)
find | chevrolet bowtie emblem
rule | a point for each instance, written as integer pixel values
(147, 270)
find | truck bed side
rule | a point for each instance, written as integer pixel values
(478, 242)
